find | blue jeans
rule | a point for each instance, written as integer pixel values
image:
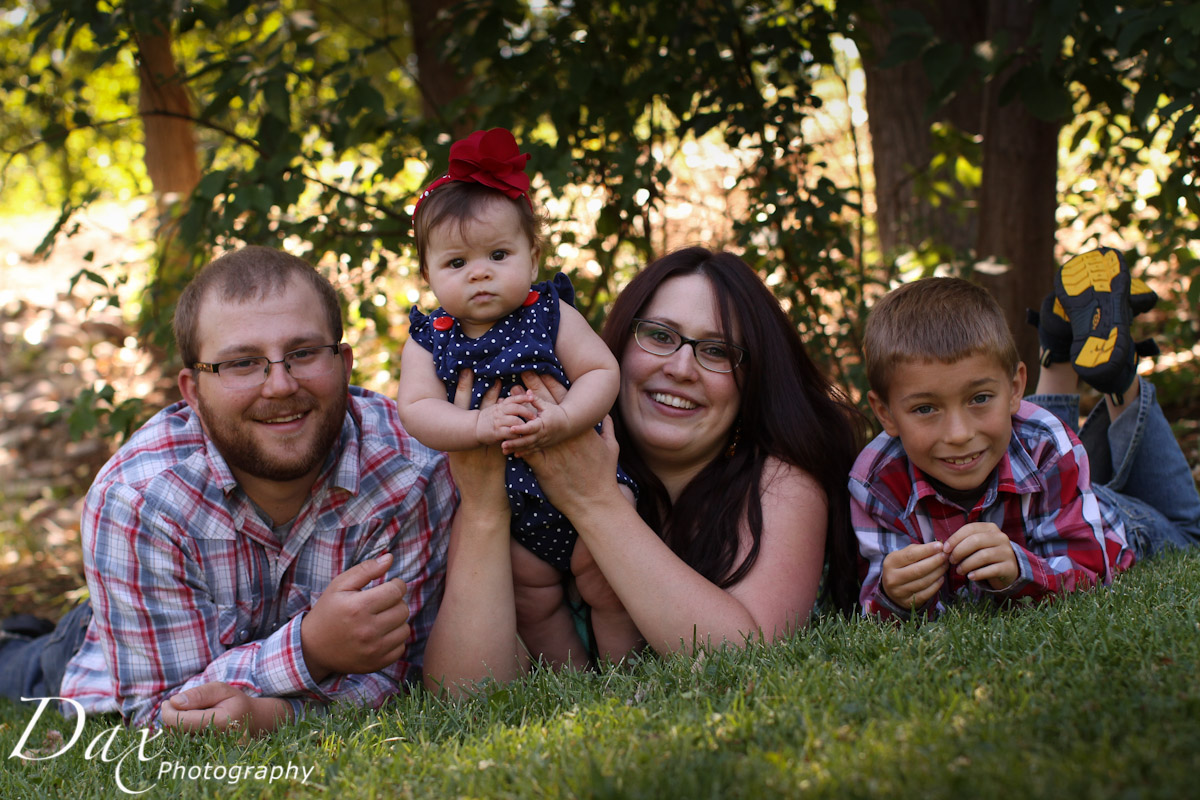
(34, 667)
(1137, 468)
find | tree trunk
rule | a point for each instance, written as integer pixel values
(437, 80)
(1018, 198)
(1014, 222)
(901, 143)
(166, 111)
(174, 170)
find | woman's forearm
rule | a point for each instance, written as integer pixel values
(673, 606)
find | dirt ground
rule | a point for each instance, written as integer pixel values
(53, 345)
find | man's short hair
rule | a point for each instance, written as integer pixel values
(935, 319)
(250, 273)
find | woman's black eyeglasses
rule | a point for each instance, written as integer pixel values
(663, 340)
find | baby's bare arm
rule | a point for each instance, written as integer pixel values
(438, 423)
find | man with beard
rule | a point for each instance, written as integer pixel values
(272, 544)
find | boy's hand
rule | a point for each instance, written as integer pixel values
(982, 552)
(913, 574)
(495, 423)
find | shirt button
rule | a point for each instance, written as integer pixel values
(243, 636)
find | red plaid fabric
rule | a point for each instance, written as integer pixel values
(189, 584)
(1040, 495)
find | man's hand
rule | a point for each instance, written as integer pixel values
(355, 631)
(982, 552)
(913, 574)
(219, 706)
(479, 473)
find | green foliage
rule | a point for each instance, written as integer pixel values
(737, 74)
(1124, 77)
(305, 123)
(1138, 65)
(313, 137)
(1092, 695)
(93, 408)
(65, 118)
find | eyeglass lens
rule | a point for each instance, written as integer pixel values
(311, 362)
(661, 340)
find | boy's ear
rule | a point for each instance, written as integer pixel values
(883, 413)
(1018, 388)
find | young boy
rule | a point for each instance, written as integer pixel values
(971, 491)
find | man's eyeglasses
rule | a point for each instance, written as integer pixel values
(663, 340)
(246, 373)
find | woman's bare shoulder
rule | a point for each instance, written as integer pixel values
(787, 481)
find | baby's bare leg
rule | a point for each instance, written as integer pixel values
(543, 620)
(616, 635)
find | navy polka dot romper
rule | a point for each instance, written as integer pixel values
(521, 342)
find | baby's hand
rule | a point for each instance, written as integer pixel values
(913, 574)
(495, 423)
(983, 552)
(550, 426)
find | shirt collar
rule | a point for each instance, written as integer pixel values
(347, 473)
(1016, 473)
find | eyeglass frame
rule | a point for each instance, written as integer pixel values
(214, 367)
(683, 340)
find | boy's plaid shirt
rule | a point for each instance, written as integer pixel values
(190, 585)
(1040, 495)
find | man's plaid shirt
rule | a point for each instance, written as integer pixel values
(189, 584)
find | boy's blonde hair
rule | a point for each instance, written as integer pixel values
(935, 319)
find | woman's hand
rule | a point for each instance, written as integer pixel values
(578, 470)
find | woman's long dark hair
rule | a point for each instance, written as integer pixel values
(789, 410)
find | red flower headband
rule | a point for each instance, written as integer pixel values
(490, 158)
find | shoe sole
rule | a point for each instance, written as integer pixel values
(1084, 277)
(1092, 288)
(1141, 297)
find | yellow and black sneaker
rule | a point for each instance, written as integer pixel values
(1054, 331)
(1096, 292)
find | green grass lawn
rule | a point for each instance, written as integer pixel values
(1095, 695)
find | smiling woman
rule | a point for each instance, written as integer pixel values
(740, 448)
